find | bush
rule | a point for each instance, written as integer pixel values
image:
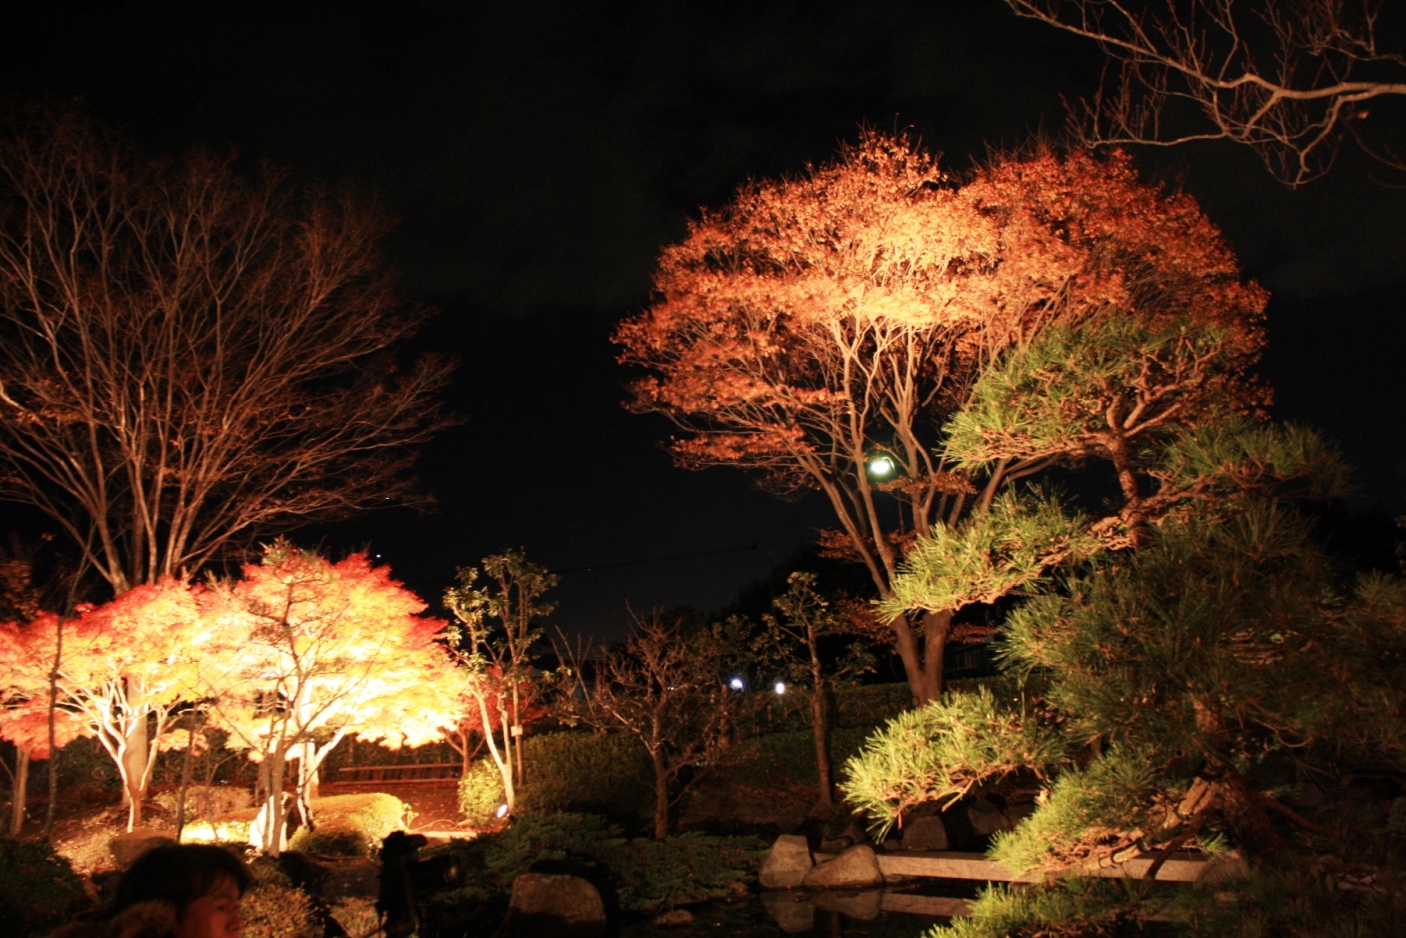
(691, 867)
(581, 772)
(648, 874)
(480, 792)
(228, 830)
(332, 842)
(351, 825)
(38, 888)
(275, 908)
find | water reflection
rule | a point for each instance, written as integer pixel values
(867, 913)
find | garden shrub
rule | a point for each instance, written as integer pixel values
(581, 772)
(230, 829)
(480, 792)
(688, 868)
(275, 908)
(357, 915)
(332, 842)
(351, 825)
(38, 888)
(647, 874)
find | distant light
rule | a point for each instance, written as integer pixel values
(737, 683)
(881, 466)
(502, 811)
(781, 687)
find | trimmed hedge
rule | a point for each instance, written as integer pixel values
(581, 772)
(870, 705)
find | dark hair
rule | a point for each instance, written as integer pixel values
(178, 875)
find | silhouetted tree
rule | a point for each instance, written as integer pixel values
(189, 357)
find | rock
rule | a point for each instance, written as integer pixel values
(835, 846)
(986, 819)
(856, 868)
(125, 848)
(856, 832)
(791, 912)
(1017, 813)
(960, 835)
(569, 899)
(786, 866)
(674, 918)
(865, 904)
(925, 833)
(893, 844)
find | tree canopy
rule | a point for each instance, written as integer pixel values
(818, 322)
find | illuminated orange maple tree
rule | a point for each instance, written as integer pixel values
(301, 652)
(817, 323)
(123, 669)
(27, 653)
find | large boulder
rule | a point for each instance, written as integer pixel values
(125, 848)
(567, 899)
(856, 868)
(786, 866)
(925, 833)
(793, 913)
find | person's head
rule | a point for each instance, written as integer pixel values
(202, 882)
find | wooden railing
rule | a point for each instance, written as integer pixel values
(427, 773)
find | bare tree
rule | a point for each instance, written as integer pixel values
(188, 357)
(665, 688)
(1289, 79)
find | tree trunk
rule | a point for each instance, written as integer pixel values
(53, 739)
(273, 803)
(819, 724)
(661, 797)
(936, 627)
(907, 647)
(20, 790)
(923, 668)
(517, 734)
(820, 728)
(134, 762)
(500, 760)
(187, 767)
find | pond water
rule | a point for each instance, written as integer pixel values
(831, 914)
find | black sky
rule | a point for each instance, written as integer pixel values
(540, 154)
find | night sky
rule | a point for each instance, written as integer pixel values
(540, 154)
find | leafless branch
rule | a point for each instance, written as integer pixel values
(1289, 79)
(188, 358)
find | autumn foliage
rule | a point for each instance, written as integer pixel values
(815, 322)
(288, 660)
